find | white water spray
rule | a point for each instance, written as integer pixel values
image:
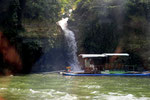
(70, 38)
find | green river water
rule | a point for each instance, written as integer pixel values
(58, 87)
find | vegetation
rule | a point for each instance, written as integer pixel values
(114, 26)
(100, 25)
(30, 26)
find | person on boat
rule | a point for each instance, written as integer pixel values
(68, 69)
(87, 62)
(94, 68)
(89, 66)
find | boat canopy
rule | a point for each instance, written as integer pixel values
(92, 55)
(116, 54)
(102, 55)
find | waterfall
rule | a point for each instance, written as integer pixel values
(72, 44)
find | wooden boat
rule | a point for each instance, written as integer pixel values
(88, 72)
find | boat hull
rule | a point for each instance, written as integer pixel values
(73, 74)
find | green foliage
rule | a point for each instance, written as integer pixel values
(42, 10)
(109, 24)
(38, 20)
(103, 26)
(99, 30)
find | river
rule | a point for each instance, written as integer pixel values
(58, 87)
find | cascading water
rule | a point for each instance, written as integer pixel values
(70, 38)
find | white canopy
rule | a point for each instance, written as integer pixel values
(116, 54)
(92, 55)
(103, 55)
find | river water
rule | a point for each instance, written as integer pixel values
(58, 87)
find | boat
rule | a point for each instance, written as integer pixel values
(90, 69)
